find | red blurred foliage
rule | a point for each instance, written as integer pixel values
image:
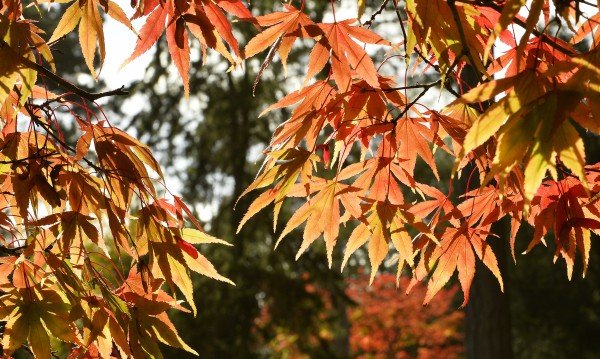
(385, 323)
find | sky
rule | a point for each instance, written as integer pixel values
(120, 42)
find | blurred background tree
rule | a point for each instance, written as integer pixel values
(212, 143)
(385, 325)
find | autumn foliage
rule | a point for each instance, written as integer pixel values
(91, 249)
(381, 322)
(386, 326)
(354, 137)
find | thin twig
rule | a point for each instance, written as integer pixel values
(376, 13)
(35, 156)
(429, 86)
(419, 96)
(48, 129)
(463, 38)
(404, 34)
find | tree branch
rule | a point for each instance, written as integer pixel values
(376, 13)
(416, 99)
(65, 84)
(463, 38)
(543, 37)
(11, 251)
(426, 87)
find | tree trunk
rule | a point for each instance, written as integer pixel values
(342, 335)
(488, 330)
(487, 327)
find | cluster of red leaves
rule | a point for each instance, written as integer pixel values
(351, 143)
(383, 323)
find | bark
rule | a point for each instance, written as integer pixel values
(342, 337)
(488, 328)
(487, 325)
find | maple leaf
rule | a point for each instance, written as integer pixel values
(363, 101)
(75, 231)
(527, 58)
(456, 252)
(588, 27)
(25, 273)
(344, 150)
(439, 204)
(432, 23)
(291, 23)
(196, 261)
(125, 160)
(170, 253)
(56, 197)
(380, 178)
(414, 136)
(20, 40)
(334, 43)
(282, 169)
(348, 57)
(558, 206)
(32, 315)
(310, 98)
(482, 206)
(321, 213)
(385, 224)
(165, 257)
(509, 12)
(84, 191)
(530, 126)
(91, 31)
(583, 81)
(536, 9)
(152, 306)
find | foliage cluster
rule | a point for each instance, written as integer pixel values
(512, 129)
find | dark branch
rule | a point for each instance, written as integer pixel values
(543, 37)
(463, 38)
(376, 13)
(74, 89)
(11, 251)
(416, 99)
